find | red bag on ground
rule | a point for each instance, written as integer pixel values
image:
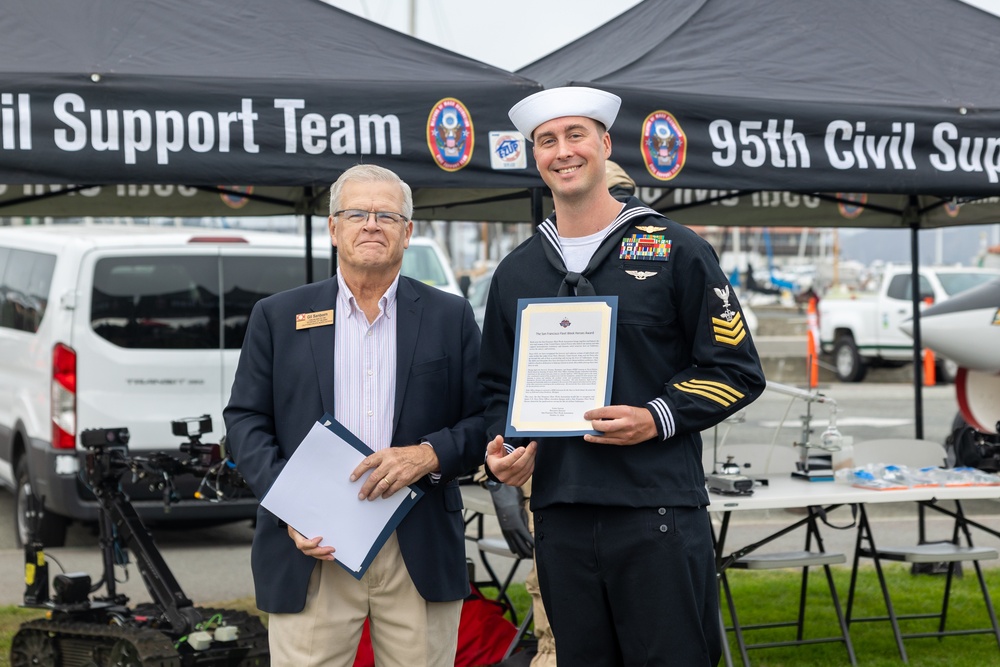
(483, 635)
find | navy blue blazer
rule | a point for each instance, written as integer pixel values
(284, 383)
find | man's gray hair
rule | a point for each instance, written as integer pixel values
(371, 173)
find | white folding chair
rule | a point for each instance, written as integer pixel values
(515, 543)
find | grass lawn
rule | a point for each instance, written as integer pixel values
(773, 596)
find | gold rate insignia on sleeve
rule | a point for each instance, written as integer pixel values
(718, 392)
(729, 333)
(321, 318)
(728, 327)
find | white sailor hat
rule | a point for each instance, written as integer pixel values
(543, 106)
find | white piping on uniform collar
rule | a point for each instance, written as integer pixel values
(550, 232)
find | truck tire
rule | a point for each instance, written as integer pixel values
(50, 529)
(847, 360)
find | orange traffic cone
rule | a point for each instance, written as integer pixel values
(930, 378)
(812, 341)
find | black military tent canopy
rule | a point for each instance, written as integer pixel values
(886, 110)
(159, 102)
(894, 101)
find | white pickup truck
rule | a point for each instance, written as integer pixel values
(862, 329)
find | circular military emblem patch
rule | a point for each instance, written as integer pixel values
(233, 195)
(664, 145)
(450, 136)
(851, 204)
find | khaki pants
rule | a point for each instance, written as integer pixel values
(406, 630)
(546, 656)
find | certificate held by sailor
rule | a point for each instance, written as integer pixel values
(563, 364)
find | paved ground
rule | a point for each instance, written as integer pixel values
(215, 566)
(212, 564)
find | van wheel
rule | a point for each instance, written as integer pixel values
(847, 360)
(50, 529)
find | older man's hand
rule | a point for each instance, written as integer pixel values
(310, 547)
(394, 468)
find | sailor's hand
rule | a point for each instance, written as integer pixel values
(620, 425)
(514, 468)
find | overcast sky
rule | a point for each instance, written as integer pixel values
(505, 33)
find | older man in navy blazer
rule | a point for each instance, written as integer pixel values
(395, 361)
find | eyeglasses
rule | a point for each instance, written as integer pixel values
(356, 216)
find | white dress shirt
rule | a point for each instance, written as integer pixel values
(365, 366)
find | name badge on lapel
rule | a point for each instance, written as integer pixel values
(309, 320)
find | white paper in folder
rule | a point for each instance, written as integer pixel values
(314, 495)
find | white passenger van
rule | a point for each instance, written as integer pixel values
(423, 260)
(111, 326)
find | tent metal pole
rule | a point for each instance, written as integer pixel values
(307, 216)
(918, 367)
(537, 214)
(316, 194)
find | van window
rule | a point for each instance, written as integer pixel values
(157, 302)
(247, 280)
(24, 288)
(4, 257)
(173, 302)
